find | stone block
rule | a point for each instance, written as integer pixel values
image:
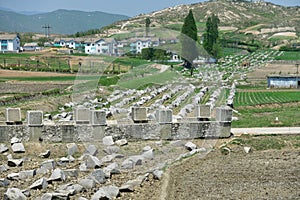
(98, 117)
(218, 130)
(139, 114)
(35, 118)
(68, 133)
(3, 134)
(98, 133)
(164, 116)
(203, 111)
(165, 131)
(35, 133)
(82, 115)
(224, 114)
(13, 115)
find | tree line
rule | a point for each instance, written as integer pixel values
(190, 48)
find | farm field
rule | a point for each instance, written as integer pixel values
(253, 98)
(267, 108)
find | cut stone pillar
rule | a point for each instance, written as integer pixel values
(164, 116)
(203, 112)
(13, 116)
(82, 115)
(139, 114)
(35, 118)
(224, 114)
(98, 117)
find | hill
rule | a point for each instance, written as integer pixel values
(240, 20)
(61, 21)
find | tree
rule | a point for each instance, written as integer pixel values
(211, 36)
(188, 41)
(147, 22)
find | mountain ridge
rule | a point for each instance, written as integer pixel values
(62, 21)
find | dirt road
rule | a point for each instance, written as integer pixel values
(267, 131)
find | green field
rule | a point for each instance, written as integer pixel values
(289, 55)
(288, 116)
(252, 98)
(260, 108)
(155, 78)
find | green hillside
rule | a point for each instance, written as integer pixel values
(61, 21)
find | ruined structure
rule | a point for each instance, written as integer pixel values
(91, 125)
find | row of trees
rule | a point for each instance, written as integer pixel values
(189, 40)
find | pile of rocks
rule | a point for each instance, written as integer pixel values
(75, 175)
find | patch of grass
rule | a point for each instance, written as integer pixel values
(289, 55)
(260, 143)
(265, 143)
(155, 78)
(265, 117)
(107, 81)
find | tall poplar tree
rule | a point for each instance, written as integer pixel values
(147, 22)
(211, 36)
(188, 41)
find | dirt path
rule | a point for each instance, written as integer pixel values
(267, 131)
(15, 73)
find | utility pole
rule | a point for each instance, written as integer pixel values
(47, 30)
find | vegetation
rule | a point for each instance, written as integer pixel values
(32, 23)
(266, 142)
(252, 98)
(188, 41)
(261, 108)
(155, 78)
(289, 55)
(147, 22)
(154, 54)
(211, 36)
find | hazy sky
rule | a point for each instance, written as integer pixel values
(125, 7)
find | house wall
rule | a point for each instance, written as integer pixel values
(12, 45)
(282, 82)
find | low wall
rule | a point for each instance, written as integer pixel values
(136, 131)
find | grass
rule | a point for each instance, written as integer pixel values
(288, 116)
(252, 98)
(259, 107)
(227, 51)
(289, 55)
(262, 143)
(156, 78)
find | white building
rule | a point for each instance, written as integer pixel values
(138, 44)
(107, 46)
(9, 43)
(71, 43)
(32, 46)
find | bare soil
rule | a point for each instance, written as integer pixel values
(15, 73)
(268, 174)
(271, 68)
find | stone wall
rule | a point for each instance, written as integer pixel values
(91, 125)
(142, 131)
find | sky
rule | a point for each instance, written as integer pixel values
(126, 7)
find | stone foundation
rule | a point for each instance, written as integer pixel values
(91, 125)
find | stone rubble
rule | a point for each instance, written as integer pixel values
(59, 179)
